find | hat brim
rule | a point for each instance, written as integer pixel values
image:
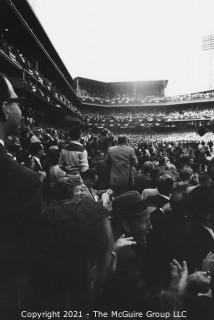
(141, 211)
(138, 210)
(148, 210)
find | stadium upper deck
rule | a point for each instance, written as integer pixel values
(131, 92)
(28, 57)
(135, 94)
(33, 65)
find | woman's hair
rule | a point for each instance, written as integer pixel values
(64, 188)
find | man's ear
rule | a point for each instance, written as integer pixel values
(4, 110)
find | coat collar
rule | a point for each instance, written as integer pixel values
(2, 142)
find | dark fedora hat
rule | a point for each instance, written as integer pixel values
(129, 204)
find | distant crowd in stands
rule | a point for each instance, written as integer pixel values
(95, 224)
(111, 99)
(111, 119)
(34, 80)
(90, 96)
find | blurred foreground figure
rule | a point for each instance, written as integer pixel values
(72, 254)
(131, 216)
(197, 237)
(20, 203)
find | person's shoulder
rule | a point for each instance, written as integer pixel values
(130, 149)
(149, 192)
(74, 146)
(126, 254)
(142, 176)
(26, 172)
(112, 148)
(21, 174)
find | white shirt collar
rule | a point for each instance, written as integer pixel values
(38, 160)
(76, 142)
(163, 195)
(210, 231)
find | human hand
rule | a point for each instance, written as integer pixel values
(42, 175)
(179, 277)
(109, 192)
(106, 199)
(123, 241)
(199, 281)
(208, 263)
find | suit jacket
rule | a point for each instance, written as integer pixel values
(157, 217)
(158, 200)
(195, 242)
(156, 242)
(20, 204)
(119, 161)
(125, 290)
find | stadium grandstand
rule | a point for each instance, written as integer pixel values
(142, 106)
(113, 93)
(37, 72)
(35, 69)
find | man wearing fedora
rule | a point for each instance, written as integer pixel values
(131, 216)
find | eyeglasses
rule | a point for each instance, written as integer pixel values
(18, 99)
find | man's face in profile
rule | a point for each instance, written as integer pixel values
(141, 226)
(14, 114)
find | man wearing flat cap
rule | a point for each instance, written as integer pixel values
(131, 216)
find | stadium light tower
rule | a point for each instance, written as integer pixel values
(208, 45)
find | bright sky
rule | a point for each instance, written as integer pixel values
(129, 40)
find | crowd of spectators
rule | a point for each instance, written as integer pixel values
(126, 98)
(96, 222)
(111, 99)
(155, 117)
(33, 79)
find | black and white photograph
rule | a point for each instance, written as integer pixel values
(106, 159)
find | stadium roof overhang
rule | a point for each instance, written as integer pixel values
(163, 83)
(22, 29)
